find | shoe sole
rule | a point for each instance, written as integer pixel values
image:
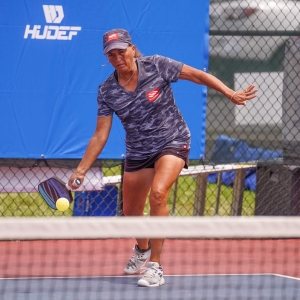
(145, 283)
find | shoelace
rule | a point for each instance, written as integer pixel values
(131, 263)
(134, 257)
(149, 272)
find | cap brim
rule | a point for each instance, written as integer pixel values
(116, 45)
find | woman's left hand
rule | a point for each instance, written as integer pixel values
(240, 97)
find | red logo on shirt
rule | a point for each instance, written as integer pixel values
(184, 146)
(113, 36)
(153, 95)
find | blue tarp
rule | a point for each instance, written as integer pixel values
(229, 150)
(228, 178)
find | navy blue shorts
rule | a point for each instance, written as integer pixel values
(132, 165)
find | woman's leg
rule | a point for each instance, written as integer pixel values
(136, 186)
(167, 168)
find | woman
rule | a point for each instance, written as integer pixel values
(157, 137)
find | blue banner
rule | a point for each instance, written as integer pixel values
(52, 63)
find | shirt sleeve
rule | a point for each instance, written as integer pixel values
(103, 109)
(168, 68)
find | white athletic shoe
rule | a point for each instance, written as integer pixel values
(153, 275)
(137, 261)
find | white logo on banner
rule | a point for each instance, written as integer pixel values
(54, 14)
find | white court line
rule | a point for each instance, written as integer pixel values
(285, 276)
(134, 276)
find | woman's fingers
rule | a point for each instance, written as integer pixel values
(248, 93)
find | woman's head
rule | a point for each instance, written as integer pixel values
(120, 51)
(118, 39)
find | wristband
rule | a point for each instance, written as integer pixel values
(232, 96)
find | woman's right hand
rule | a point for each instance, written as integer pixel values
(72, 180)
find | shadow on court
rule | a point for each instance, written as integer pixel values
(208, 287)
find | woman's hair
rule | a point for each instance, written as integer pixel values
(138, 53)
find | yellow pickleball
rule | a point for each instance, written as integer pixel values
(62, 204)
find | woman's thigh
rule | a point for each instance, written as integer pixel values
(167, 168)
(136, 186)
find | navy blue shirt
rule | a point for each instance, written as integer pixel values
(150, 116)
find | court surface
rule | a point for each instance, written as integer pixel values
(193, 269)
(264, 286)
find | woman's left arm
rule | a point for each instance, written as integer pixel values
(200, 77)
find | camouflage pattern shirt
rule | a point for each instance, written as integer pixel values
(150, 116)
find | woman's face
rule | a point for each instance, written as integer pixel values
(122, 59)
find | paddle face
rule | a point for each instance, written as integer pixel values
(53, 189)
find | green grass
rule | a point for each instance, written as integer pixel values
(27, 204)
(185, 197)
(32, 204)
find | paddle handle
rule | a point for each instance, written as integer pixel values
(76, 182)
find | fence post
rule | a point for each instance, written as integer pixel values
(238, 191)
(200, 195)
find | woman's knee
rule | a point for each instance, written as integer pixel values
(158, 197)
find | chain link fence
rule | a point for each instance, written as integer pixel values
(257, 42)
(250, 42)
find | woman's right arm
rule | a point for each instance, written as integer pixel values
(94, 148)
